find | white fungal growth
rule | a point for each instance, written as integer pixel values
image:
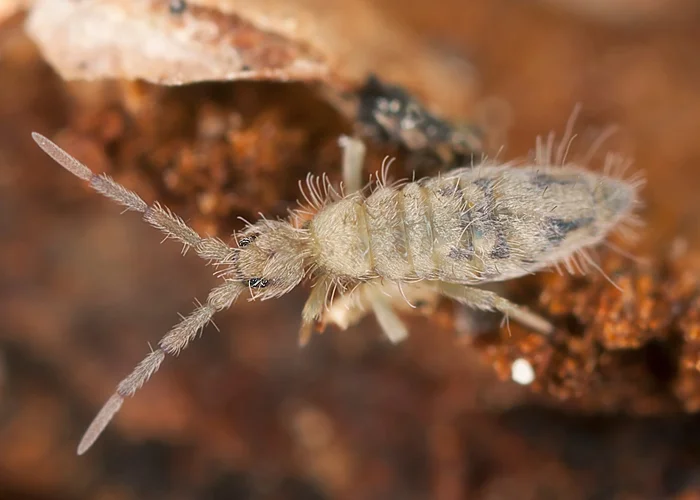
(522, 372)
(444, 234)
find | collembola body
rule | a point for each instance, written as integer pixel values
(490, 223)
(442, 234)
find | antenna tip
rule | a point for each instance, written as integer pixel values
(62, 158)
(38, 138)
(98, 425)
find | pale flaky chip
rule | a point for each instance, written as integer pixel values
(338, 43)
(136, 39)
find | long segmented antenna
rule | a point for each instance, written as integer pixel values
(172, 343)
(210, 249)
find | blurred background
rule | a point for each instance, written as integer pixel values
(244, 413)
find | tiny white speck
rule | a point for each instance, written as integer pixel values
(521, 371)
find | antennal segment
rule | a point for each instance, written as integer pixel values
(210, 249)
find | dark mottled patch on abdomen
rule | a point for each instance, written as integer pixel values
(545, 180)
(450, 191)
(487, 212)
(461, 253)
(501, 250)
(557, 229)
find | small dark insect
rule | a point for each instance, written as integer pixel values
(390, 114)
(440, 235)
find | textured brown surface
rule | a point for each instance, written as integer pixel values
(244, 413)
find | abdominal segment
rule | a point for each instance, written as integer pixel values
(478, 225)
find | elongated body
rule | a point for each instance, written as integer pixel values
(490, 223)
(438, 235)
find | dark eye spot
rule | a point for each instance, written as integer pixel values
(245, 241)
(258, 282)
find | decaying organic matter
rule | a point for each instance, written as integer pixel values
(390, 114)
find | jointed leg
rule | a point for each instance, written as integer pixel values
(313, 309)
(490, 301)
(383, 299)
(353, 162)
(367, 295)
(388, 320)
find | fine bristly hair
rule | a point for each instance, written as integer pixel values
(446, 234)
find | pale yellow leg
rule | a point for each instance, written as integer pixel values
(490, 301)
(390, 323)
(353, 162)
(313, 309)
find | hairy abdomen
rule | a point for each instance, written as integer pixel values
(476, 225)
